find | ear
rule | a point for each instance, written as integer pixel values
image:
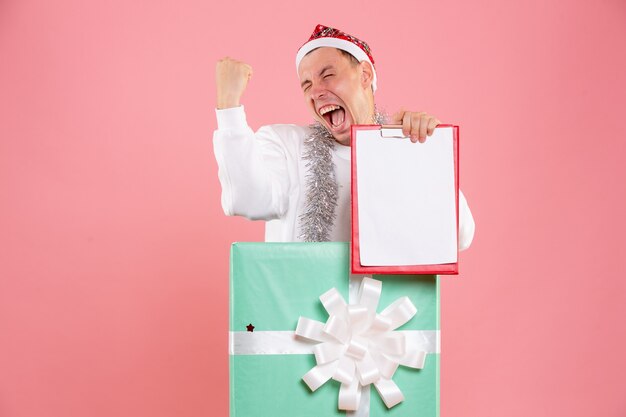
(367, 74)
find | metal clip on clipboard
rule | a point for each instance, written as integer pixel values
(391, 131)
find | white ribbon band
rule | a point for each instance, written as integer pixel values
(285, 342)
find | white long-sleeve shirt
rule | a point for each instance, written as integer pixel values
(263, 178)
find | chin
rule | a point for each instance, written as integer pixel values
(343, 140)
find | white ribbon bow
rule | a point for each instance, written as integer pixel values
(359, 347)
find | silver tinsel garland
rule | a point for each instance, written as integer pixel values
(321, 183)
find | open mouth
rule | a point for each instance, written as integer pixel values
(334, 115)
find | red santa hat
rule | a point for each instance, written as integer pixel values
(334, 38)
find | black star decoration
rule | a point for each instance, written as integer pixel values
(250, 327)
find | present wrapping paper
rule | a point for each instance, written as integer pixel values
(272, 285)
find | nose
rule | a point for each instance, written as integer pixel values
(317, 91)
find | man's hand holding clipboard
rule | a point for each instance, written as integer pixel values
(415, 125)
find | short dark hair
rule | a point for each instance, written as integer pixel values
(353, 59)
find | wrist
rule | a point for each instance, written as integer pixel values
(227, 102)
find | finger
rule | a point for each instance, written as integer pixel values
(424, 120)
(432, 124)
(406, 125)
(415, 126)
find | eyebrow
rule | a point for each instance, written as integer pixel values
(326, 68)
(321, 73)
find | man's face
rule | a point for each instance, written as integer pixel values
(337, 91)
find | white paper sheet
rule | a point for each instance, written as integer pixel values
(406, 199)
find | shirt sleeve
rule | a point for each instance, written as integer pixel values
(466, 223)
(252, 167)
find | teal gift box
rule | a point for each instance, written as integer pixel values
(272, 285)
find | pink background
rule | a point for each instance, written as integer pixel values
(114, 248)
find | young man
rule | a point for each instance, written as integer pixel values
(298, 178)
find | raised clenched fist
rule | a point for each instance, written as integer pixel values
(232, 77)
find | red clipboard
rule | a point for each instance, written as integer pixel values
(357, 268)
